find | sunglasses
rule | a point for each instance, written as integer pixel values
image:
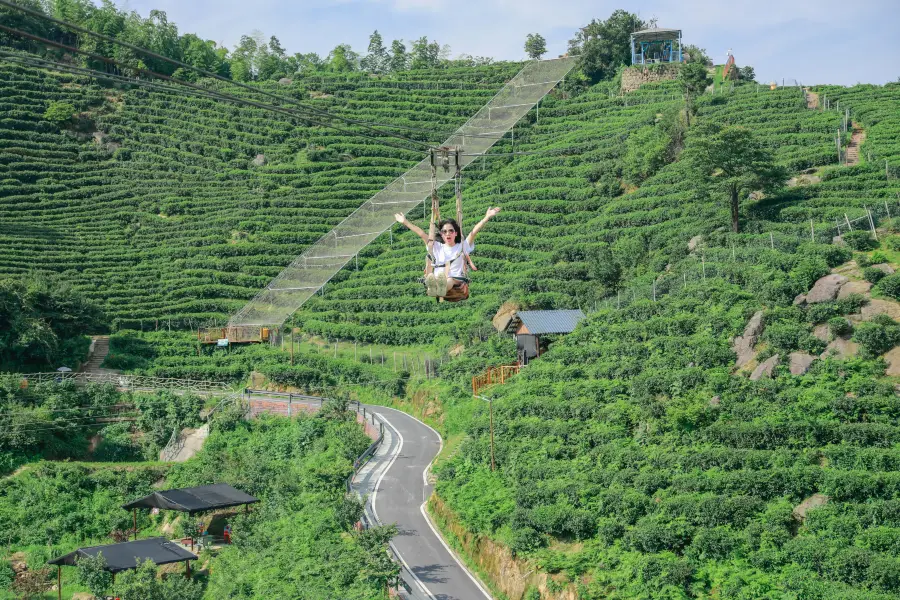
(448, 231)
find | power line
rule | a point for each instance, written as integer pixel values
(178, 63)
(219, 95)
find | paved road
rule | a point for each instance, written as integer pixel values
(395, 480)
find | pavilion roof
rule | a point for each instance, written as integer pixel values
(656, 34)
(194, 499)
(127, 555)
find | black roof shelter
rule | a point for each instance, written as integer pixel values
(127, 555)
(124, 556)
(194, 499)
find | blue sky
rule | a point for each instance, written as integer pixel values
(813, 41)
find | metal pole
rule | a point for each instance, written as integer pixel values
(871, 222)
(846, 218)
(292, 346)
(491, 405)
(771, 240)
(887, 209)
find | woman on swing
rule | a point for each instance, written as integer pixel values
(448, 259)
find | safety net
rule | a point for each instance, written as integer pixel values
(322, 260)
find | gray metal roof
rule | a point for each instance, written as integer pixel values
(124, 556)
(656, 34)
(540, 322)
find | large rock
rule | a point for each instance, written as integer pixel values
(841, 348)
(826, 289)
(765, 368)
(800, 362)
(694, 242)
(814, 501)
(743, 345)
(285, 81)
(260, 160)
(884, 268)
(861, 288)
(877, 306)
(504, 315)
(821, 332)
(892, 359)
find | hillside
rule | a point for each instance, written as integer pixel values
(635, 459)
(151, 203)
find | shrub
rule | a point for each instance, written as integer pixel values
(7, 575)
(839, 326)
(890, 286)
(860, 240)
(93, 575)
(892, 242)
(59, 112)
(878, 335)
(873, 275)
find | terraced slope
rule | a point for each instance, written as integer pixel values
(566, 215)
(166, 217)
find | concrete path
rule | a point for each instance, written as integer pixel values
(100, 349)
(395, 480)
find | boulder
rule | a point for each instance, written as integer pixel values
(765, 368)
(715, 401)
(800, 362)
(884, 268)
(892, 359)
(260, 160)
(814, 501)
(285, 81)
(504, 316)
(841, 348)
(83, 596)
(826, 289)
(878, 306)
(694, 242)
(743, 345)
(799, 299)
(820, 332)
(854, 287)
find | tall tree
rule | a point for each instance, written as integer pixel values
(604, 46)
(748, 73)
(243, 59)
(399, 60)
(376, 61)
(696, 54)
(424, 54)
(535, 46)
(693, 79)
(735, 158)
(343, 59)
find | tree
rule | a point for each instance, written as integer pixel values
(93, 575)
(243, 59)
(424, 54)
(343, 59)
(399, 60)
(604, 46)
(143, 583)
(376, 61)
(737, 159)
(696, 54)
(535, 46)
(693, 79)
(747, 73)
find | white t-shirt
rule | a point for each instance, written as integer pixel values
(444, 254)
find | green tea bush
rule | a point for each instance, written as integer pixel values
(860, 240)
(873, 275)
(890, 286)
(839, 327)
(878, 335)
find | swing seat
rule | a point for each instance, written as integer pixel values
(449, 289)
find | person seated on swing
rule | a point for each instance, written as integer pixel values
(448, 259)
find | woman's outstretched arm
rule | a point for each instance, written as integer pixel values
(487, 216)
(428, 239)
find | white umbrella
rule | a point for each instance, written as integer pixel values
(64, 370)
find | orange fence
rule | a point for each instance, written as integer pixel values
(493, 375)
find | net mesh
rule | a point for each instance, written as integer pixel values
(321, 261)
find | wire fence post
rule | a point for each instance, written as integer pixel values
(871, 222)
(771, 240)
(849, 226)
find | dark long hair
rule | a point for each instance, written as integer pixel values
(455, 228)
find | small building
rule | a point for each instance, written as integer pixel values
(127, 555)
(656, 45)
(194, 500)
(530, 325)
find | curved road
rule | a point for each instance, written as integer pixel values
(396, 482)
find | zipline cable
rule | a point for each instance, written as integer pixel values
(221, 95)
(210, 74)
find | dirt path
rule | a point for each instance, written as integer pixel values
(812, 99)
(856, 140)
(98, 355)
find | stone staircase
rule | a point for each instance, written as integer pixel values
(100, 345)
(856, 139)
